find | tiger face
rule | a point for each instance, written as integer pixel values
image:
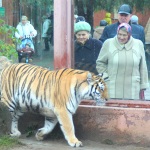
(98, 88)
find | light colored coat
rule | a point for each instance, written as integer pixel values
(98, 32)
(46, 26)
(125, 67)
(25, 30)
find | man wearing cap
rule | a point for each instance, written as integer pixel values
(86, 48)
(124, 16)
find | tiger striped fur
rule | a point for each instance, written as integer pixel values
(54, 94)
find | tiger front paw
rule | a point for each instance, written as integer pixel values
(75, 143)
(39, 135)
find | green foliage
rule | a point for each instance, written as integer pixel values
(140, 5)
(7, 142)
(109, 5)
(7, 40)
(39, 3)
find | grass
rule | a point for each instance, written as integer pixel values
(7, 142)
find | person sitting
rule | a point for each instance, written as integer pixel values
(27, 50)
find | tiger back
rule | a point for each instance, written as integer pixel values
(54, 94)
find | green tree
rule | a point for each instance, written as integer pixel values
(82, 6)
(39, 3)
(7, 40)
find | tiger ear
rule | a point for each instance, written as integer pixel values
(89, 77)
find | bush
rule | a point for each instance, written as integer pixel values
(7, 40)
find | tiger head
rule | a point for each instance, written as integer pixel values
(98, 90)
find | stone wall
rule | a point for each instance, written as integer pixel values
(27, 123)
(5, 120)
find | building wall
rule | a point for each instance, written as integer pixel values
(143, 18)
(8, 4)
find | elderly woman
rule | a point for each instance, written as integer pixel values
(122, 60)
(86, 48)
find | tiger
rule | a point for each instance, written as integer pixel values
(55, 94)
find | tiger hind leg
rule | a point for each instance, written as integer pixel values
(14, 126)
(48, 127)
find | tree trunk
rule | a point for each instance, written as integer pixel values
(90, 9)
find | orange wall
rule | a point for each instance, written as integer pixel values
(143, 18)
(99, 15)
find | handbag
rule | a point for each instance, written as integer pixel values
(142, 95)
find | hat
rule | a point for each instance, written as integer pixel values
(103, 23)
(134, 19)
(82, 26)
(126, 26)
(125, 9)
(80, 18)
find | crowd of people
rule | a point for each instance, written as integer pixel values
(116, 49)
(119, 54)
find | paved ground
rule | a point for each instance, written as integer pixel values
(44, 58)
(61, 144)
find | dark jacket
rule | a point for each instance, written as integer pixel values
(111, 30)
(87, 54)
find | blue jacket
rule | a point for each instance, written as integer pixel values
(87, 54)
(111, 30)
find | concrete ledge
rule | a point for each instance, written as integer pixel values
(116, 124)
